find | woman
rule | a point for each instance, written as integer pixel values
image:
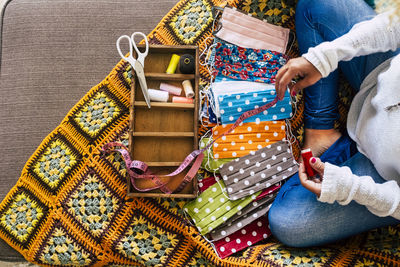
(363, 193)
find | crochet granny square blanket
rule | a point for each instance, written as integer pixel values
(70, 205)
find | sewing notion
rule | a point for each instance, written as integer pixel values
(136, 63)
(161, 137)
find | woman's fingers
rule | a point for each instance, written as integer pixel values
(282, 80)
(280, 89)
(297, 67)
(286, 79)
(312, 185)
(317, 165)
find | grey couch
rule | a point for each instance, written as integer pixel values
(51, 53)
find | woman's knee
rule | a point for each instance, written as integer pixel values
(311, 10)
(333, 12)
(288, 227)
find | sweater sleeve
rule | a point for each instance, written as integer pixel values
(341, 185)
(379, 34)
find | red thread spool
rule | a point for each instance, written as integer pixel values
(306, 154)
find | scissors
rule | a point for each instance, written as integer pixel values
(138, 63)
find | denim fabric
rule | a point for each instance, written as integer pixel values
(298, 219)
(318, 21)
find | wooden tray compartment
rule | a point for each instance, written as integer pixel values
(165, 134)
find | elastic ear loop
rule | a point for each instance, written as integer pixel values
(212, 245)
(212, 104)
(190, 222)
(202, 113)
(223, 190)
(208, 149)
(188, 219)
(208, 63)
(206, 50)
(215, 12)
(202, 92)
(291, 137)
(291, 45)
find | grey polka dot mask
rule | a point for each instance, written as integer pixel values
(259, 170)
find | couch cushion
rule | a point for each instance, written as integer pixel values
(52, 53)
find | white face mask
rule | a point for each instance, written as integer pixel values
(249, 32)
(258, 170)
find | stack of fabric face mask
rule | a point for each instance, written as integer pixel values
(251, 51)
(254, 158)
(222, 219)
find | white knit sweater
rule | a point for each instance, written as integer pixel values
(375, 130)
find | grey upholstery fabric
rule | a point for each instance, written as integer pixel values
(52, 53)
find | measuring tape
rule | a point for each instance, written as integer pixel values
(140, 170)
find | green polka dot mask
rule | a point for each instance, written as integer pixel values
(213, 207)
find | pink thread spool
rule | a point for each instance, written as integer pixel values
(172, 89)
(179, 99)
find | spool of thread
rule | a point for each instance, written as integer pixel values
(158, 95)
(186, 64)
(173, 63)
(179, 99)
(172, 89)
(187, 86)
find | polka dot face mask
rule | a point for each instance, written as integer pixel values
(250, 213)
(212, 208)
(241, 239)
(258, 170)
(220, 88)
(239, 63)
(246, 138)
(231, 106)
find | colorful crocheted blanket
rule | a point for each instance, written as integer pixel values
(69, 206)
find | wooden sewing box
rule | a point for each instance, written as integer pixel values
(165, 134)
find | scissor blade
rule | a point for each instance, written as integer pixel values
(142, 81)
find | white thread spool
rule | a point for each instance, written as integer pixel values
(158, 95)
(175, 90)
(187, 86)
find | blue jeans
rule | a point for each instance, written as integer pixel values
(296, 217)
(321, 20)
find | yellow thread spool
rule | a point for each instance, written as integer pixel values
(173, 64)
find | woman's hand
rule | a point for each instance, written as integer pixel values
(313, 184)
(296, 67)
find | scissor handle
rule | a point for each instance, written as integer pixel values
(129, 58)
(141, 55)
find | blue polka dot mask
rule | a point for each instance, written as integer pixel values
(231, 106)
